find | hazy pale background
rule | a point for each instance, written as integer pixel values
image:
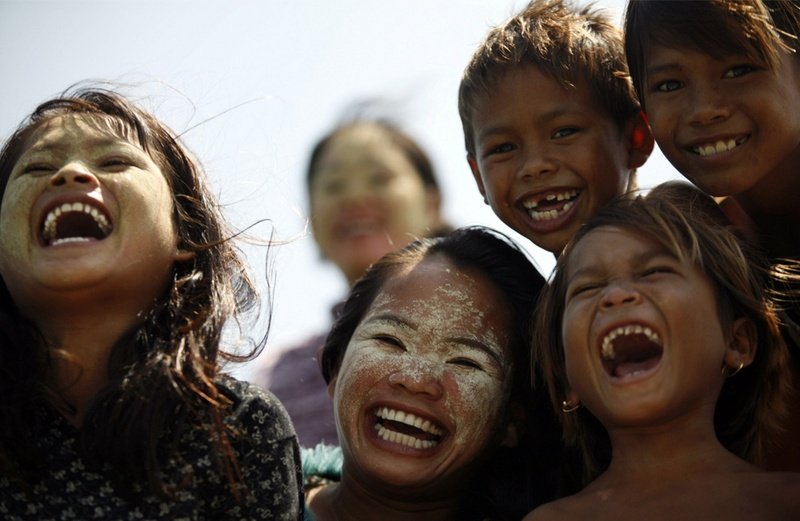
(262, 80)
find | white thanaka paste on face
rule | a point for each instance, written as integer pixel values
(452, 305)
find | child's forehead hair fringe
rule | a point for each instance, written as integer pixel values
(756, 28)
(569, 44)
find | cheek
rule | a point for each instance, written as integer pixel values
(362, 368)
(475, 401)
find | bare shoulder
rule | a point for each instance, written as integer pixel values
(571, 507)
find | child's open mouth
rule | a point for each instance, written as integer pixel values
(406, 429)
(630, 350)
(550, 206)
(75, 222)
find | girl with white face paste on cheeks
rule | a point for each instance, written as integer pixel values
(428, 369)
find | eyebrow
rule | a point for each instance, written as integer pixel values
(61, 145)
(477, 344)
(660, 69)
(564, 108)
(389, 317)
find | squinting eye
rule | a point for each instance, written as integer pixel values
(466, 362)
(740, 70)
(564, 132)
(37, 167)
(656, 270)
(389, 340)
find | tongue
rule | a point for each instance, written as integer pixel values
(631, 367)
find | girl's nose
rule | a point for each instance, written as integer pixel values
(73, 174)
(417, 381)
(618, 294)
(708, 106)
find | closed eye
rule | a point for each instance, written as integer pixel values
(466, 362)
(657, 270)
(116, 163)
(37, 167)
(389, 340)
(583, 289)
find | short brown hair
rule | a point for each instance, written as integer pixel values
(566, 43)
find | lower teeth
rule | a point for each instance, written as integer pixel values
(403, 439)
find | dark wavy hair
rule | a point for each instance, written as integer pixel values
(513, 481)
(690, 225)
(161, 374)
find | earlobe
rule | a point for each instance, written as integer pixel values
(514, 427)
(742, 345)
(640, 141)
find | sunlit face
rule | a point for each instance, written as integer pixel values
(642, 336)
(731, 126)
(547, 157)
(85, 213)
(367, 200)
(421, 393)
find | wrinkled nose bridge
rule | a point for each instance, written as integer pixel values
(619, 292)
(73, 173)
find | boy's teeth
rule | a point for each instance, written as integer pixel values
(715, 148)
(403, 439)
(607, 347)
(547, 215)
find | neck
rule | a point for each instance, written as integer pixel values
(347, 501)
(80, 338)
(667, 453)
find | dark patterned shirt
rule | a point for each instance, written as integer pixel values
(267, 453)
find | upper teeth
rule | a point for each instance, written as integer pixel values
(608, 348)
(55, 213)
(409, 419)
(545, 215)
(715, 148)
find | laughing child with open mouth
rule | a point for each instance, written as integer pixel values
(663, 352)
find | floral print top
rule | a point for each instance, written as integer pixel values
(267, 452)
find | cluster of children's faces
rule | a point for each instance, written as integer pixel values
(422, 387)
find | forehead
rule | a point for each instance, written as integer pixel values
(437, 293)
(613, 243)
(538, 94)
(64, 130)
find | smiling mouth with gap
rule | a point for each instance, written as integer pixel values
(551, 206)
(630, 350)
(74, 222)
(406, 429)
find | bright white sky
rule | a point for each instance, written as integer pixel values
(264, 79)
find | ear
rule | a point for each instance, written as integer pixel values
(640, 141)
(515, 427)
(476, 173)
(332, 386)
(183, 255)
(742, 345)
